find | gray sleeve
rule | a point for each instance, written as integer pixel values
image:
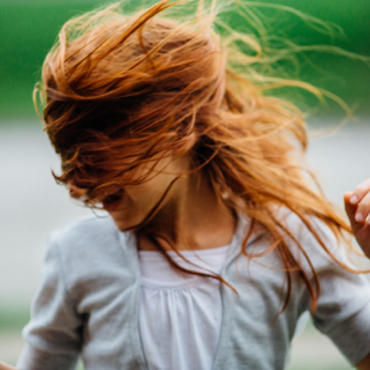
(343, 309)
(53, 335)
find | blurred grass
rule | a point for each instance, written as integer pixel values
(13, 317)
(28, 30)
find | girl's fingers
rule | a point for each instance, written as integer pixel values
(351, 211)
(363, 209)
(360, 191)
(357, 205)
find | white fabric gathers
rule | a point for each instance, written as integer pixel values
(180, 314)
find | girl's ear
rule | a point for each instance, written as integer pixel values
(188, 143)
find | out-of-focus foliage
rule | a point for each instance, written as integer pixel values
(28, 29)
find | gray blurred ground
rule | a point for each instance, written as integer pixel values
(32, 205)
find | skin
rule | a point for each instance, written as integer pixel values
(191, 203)
(364, 364)
(357, 205)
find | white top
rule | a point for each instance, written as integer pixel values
(180, 314)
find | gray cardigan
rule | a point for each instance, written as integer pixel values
(87, 302)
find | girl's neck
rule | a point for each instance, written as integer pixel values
(192, 218)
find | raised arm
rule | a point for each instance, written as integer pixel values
(357, 204)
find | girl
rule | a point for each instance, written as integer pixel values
(214, 243)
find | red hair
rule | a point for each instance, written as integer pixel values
(115, 84)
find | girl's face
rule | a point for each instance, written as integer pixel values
(131, 204)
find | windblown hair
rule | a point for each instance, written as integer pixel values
(118, 85)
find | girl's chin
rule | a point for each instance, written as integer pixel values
(110, 207)
(119, 201)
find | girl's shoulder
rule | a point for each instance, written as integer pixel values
(84, 260)
(316, 239)
(88, 240)
(300, 228)
(84, 230)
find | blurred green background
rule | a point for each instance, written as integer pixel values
(28, 30)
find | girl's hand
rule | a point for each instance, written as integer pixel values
(357, 206)
(4, 366)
